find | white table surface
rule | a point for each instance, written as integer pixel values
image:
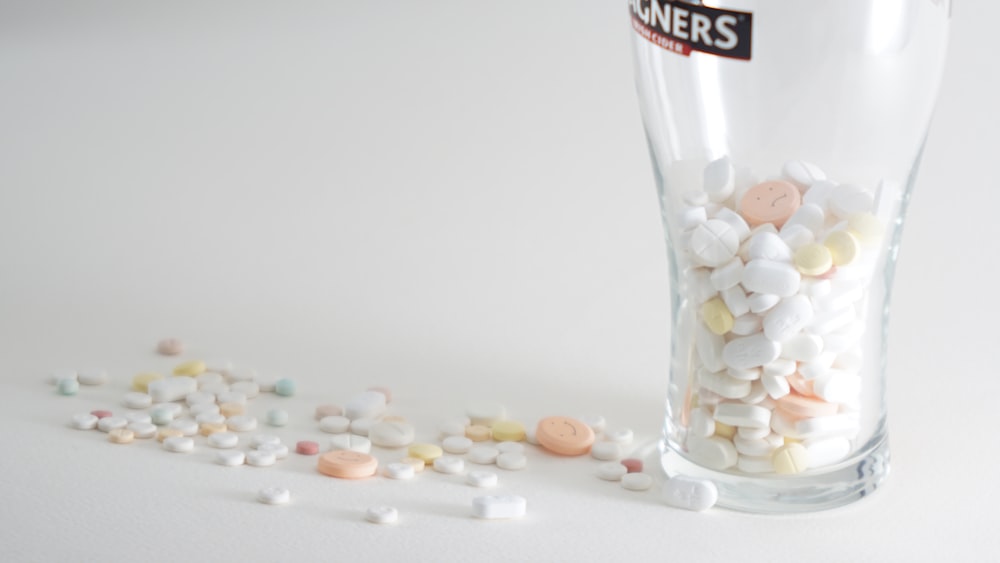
(450, 199)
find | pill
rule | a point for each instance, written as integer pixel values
(761, 303)
(510, 447)
(714, 452)
(747, 324)
(210, 378)
(142, 429)
(736, 301)
(232, 409)
(335, 424)
(768, 276)
(750, 351)
(223, 440)
(483, 455)
(697, 197)
(277, 417)
(249, 389)
(178, 444)
(723, 385)
(813, 259)
(68, 387)
(170, 347)
(611, 471)
(512, 460)
(745, 374)
(810, 217)
(826, 451)
(564, 435)
(141, 381)
(306, 447)
(499, 507)
(796, 236)
(637, 482)
(790, 458)
(350, 442)
(735, 414)
(724, 430)
(478, 433)
(209, 428)
(109, 423)
(481, 479)
(691, 217)
(716, 316)
(230, 458)
(508, 431)
(261, 458)
(865, 227)
(382, 515)
(818, 193)
(802, 347)
(719, 179)
(799, 406)
(138, 416)
(802, 173)
(735, 222)
(714, 243)
(485, 413)
(84, 421)
(843, 246)
(765, 245)
(456, 444)
(690, 493)
(164, 433)
(418, 464)
(234, 374)
(286, 388)
(777, 386)
(242, 423)
(367, 404)
(787, 318)
(190, 368)
(187, 426)
(701, 423)
(171, 388)
(753, 446)
(728, 275)
(632, 465)
(121, 436)
(709, 347)
(362, 426)
(847, 199)
(93, 377)
(233, 397)
(448, 464)
(770, 202)
(453, 427)
(752, 433)
(199, 397)
(826, 322)
(323, 411)
(274, 495)
(262, 439)
(280, 451)
(425, 452)
(391, 434)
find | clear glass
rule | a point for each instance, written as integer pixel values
(834, 101)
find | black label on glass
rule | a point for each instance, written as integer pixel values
(681, 27)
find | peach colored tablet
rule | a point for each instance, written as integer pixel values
(564, 435)
(346, 464)
(770, 202)
(806, 407)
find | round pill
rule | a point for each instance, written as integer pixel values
(306, 447)
(143, 429)
(361, 426)
(249, 389)
(351, 442)
(512, 461)
(399, 470)
(449, 464)
(274, 495)
(178, 444)
(241, 423)
(186, 426)
(606, 450)
(865, 227)
(813, 259)
(335, 424)
(138, 416)
(478, 433)
(454, 427)
(637, 481)
(261, 439)
(388, 434)
(456, 444)
(324, 411)
(843, 246)
(716, 316)
(284, 387)
(425, 452)
(790, 458)
(109, 423)
(277, 417)
(381, 515)
(161, 416)
(121, 436)
(68, 387)
(209, 428)
(280, 451)
(231, 397)
(164, 433)
(210, 378)
(508, 431)
(223, 440)
(714, 243)
(481, 479)
(232, 409)
(210, 418)
(632, 464)
(230, 458)
(101, 413)
(483, 455)
(510, 447)
(346, 464)
(261, 458)
(190, 368)
(384, 391)
(485, 413)
(199, 397)
(611, 471)
(564, 436)
(170, 347)
(417, 463)
(770, 202)
(93, 377)
(84, 421)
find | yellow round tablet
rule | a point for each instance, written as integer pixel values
(426, 452)
(191, 368)
(866, 227)
(813, 259)
(790, 458)
(843, 247)
(508, 431)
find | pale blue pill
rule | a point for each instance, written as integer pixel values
(161, 416)
(277, 417)
(284, 387)
(68, 386)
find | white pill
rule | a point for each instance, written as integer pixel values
(714, 452)
(757, 393)
(819, 193)
(230, 458)
(449, 464)
(787, 318)
(818, 366)
(637, 481)
(752, 433)
(242, 423)
(138, 416)
(719, 179)
(605, 450)
(596, 422)
(335, 424)
(825, 451)
(142, 429)
(210, 378)
(713, 243)
(701, 423)
(699, 285)
(802, 347)
(172, 388)
(690, 493)
(93, 377)
(109, 423)
(755, 464)
(727, 275)
(204, 408)
(399, 471)
(848, 199)
(781, 366)
(723, 384)
(775, 385)
(803, 174)
(531, 434)
(178, 444)
(367, 404)
(512, 461)
(736, 301)
(831, 321)
(210, 418)
(259, 458)
(280, 451)
(709, 347)
(508, 447)
(274, 495)
(137, 400)
(736, 414)
(797, 236)
(824, 426)
(232, 397)
(611, 471)
(173, 409)
(695, 198)
(456, 444)
(762, 302)
(454, 427)
(482, 479)
(187, 426)
(745, 352)
(752, 446)
(362, 426)
(837, 386)
(261, 439)
(391, 434)
(768, 276)
(218, 366)
(735, 222)
(84, 421)
(691, 217)
(483, 455)
(250, 389)
(745, 325)
(810, 216)
(199, 397)
(351, 442)
(765, 245)
(623, 436)
(784, 426)
(235, 373)
(499, 507)
(223, 440)
(748, 374)
(382, 515)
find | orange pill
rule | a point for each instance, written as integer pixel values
(564, 435)
(770, 202)
(347, 464)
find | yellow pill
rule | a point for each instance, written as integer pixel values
(866, 227)
(478, 433)
(717, 317)
(788, 440)
(231, 409)
(724, 430)
(417, 463)
(209, 428)
(165, 433)
(843, 247)
(813, 259)
(142, 380)
(508, 431)
(192, 368)
(121, 436)
(425, 452)
(790, 458)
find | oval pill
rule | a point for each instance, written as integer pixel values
(223, 440)
(143, 429)
(425, 452)
(690, 493)
(391, 434)
(716, 316)
(456, 444)
(93, 377)
(121, 436)
(483, 455)
(346, 464)
(449, 464)
(813, 259)
(507, 431)
(242, 423)
(611, 471)
(335, 424)
(606, 450)
(261, 458)
(190, 368)
(770, 277)
(109, 423)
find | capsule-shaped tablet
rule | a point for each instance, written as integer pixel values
(768, 276)
(787, 318)
(750, 351)
(690, 493)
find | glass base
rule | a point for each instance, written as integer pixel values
(822, 489)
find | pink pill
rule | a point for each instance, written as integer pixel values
(307, 447)
(633, 465)
(383, 390)
(101, 413)
(170, 347)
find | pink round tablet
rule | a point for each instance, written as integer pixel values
(772, 202)
(632, 465)
(307, 447)
(101, 413)
(170, 347)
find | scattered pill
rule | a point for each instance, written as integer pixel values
(223, 440)
(324, 411)
(230, 458)
(262, 439)
(190, 368)
(399, 470)
(210, 418)
(142, 429)
(186, 426)
(350, 442)
(637, 481)
(306, 447)
(277, 417)
(109, 423)
(449, 464)
(425, 452)
(138, 416)
(335, 424)
(417, 463)
(121, 436)
(141, 381)
(508, 431)
(178, 444)
(485, 413)
(483, 455)
(564, 436)
(607, 450)
(84, 421)
(611, 471)
(478, 433)
(284, 387)
(632, 464)
(68, 387)
(481, 479)
(690, 493)
(346, 464)
(510, 447)
(164, 433)
(382, 515)
(261, 458)
(280, 451)
(274, 495)
(456, 444)
(171, 388)
(100, 413)
(93, 377)
(368, 404)
(58, 375)
(199, 398)
(242, 423)
(512, 461)
(362, 426)
(499, 507)
(454, 427)
(161, 416)
(170, 347)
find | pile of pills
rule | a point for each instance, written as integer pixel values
(777, 276)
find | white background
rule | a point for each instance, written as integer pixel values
(450, 199)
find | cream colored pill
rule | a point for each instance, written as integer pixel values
(223, 440)
(190, 368)
(478, 433)
(512, 461)
(866, 227)
(141, 381)
(230, 458)
(716, 316)
(456, 444)
(164, 433)
(481, 479)
(790, 459)
(637, 481)
(508, 431)
(449, 465)
(813, 259)
(178, 444)
(121, 436)
(84, 421)
(425, 452)
(843, 246)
